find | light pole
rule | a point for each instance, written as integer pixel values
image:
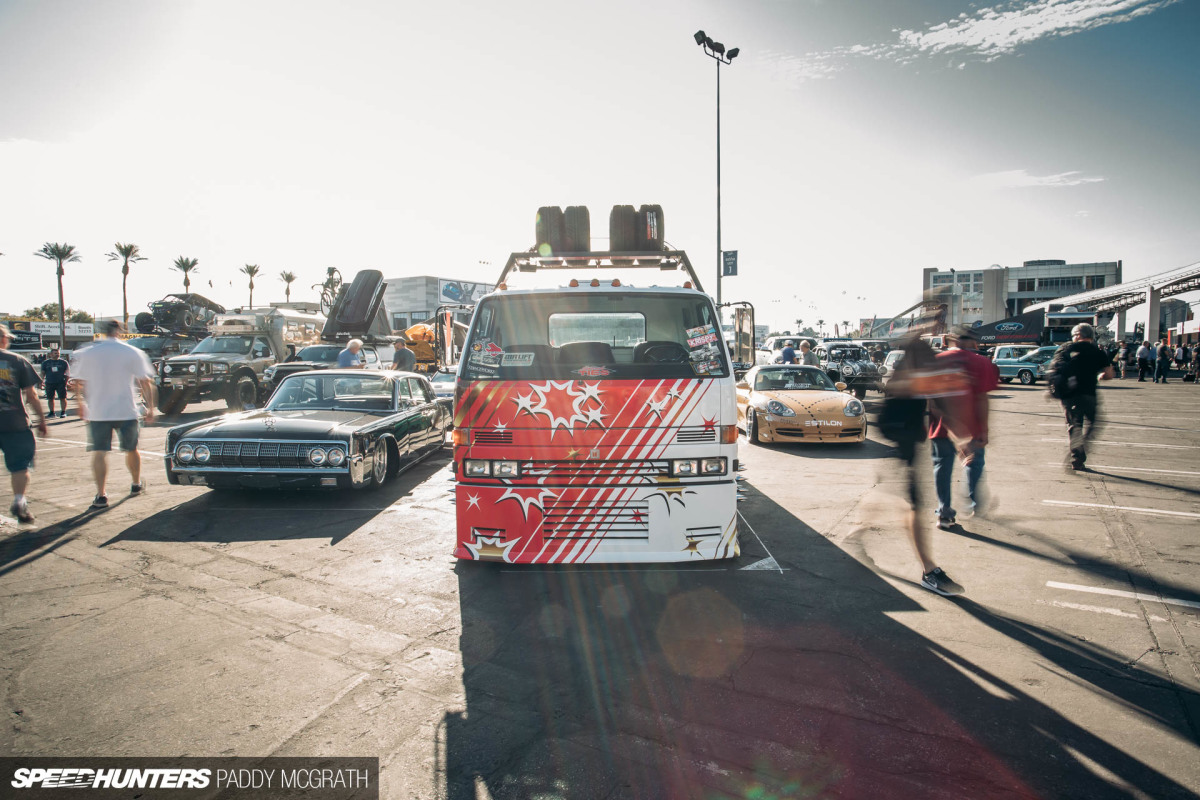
(716, 51)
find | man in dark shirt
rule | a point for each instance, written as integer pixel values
(1162, 364)
(1080, 404)
(55, 373)
(789, 353)
(18, 379)
(404, 359)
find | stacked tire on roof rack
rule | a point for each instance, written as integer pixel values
(630, 230)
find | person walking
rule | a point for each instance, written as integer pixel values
(789, 353)
(1074, 376)
(1122, 357)
(807, 357)
(403, 359)
(1162, 364)
(106, 375)
(1179, 357)
(970, 404)
(56, 371)
(1143, 360)
(903, 421)
(351, 357)
(17, 382)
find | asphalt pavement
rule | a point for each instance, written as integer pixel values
(190, 622)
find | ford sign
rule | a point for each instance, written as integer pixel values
(1009, 327)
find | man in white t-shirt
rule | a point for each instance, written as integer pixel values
(108, 372)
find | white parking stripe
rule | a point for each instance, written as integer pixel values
(1136, 444)
(1129, 469)
(1074, 587)
(1114, 612)
(84, 444)
(1135, 509)
(760, 541)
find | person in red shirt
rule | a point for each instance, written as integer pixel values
(969, 407)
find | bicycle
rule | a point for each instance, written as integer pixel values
(329, 289)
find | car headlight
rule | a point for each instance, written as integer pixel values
(192, 368)
(712, 466)
(779, 409)
(684, 467)
(201, 453)
(269, 372)
(477, 468)
(316, 456)
(220, 368)
(336, 457)
(854, 408)
(882, 370)
(184, 454)
(167, 369)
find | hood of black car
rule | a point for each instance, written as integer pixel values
(263, 424)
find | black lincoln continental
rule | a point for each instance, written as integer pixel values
(331, 429)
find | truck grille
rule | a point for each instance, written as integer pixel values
(696, 435)
(594, 471)
(562, 523)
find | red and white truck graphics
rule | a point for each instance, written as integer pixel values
(596, 425)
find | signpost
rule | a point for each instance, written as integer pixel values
(729, 263)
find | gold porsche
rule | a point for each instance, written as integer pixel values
(791, 403)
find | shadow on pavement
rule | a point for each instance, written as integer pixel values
(30, 545)
(250, 515)
(673, 682)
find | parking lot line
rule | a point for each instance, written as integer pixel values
(1113, 612)
(760, 541)
(84, 444)
(1074, 587)
(1137, 444)
(1135, 509)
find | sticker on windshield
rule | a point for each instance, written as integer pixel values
(700, 369)
(485, 359)
(516, 360)
(692, 333)
(704, 353)
(701, 340)
(593, 372)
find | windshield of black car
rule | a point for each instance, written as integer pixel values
(787, 380)
(324, 392)
(238, 345)
(320, 352)
(595, 335)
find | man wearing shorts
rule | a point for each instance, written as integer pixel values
(55, 372)
(17, 378)
(108, 372)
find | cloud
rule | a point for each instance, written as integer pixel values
(1021, 179)
(986, 35)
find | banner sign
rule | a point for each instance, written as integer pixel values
(1025, 328)
(73, 328)
(729, 263)
(462, 292)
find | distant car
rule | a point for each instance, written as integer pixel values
(890, 362)
(848, 363)
(771, 351)
(443, 383)
(791, 403)
(1027, 369)
(1011, 351)
(336, 429)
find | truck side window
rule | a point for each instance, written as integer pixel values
(260, 349)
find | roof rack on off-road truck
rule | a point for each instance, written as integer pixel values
(664, 260)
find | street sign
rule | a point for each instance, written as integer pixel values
(729, 263)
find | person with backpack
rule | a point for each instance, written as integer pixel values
(1073, 378)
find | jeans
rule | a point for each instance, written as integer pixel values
(1162, 368)
(1143, 368)
(1081, 424)
(944, 454)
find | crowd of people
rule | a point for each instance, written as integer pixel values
(1156, 361)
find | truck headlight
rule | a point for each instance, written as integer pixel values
(779, 409)
(477, 468)
(192, 369)
(184, 454)
(684, 467)
(201, 453)
(220, 368)
(168, 369)
(712, 466)
(505, 469)
(337, 456)
(854, 408)
(316, 456)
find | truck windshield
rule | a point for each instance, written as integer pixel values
(595, 336)
(239, 345)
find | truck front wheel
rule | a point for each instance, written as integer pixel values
(243, 394)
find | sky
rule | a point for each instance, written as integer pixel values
(861, 142)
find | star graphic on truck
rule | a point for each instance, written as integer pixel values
(532, 496)
(563, 405)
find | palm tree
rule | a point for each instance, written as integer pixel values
(186, 265)
(125, 253)
(286, 277)
(251, 270)
(60, 254)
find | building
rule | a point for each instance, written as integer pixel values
(996, 293)
(415, 299)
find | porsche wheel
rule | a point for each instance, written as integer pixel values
(752, 427)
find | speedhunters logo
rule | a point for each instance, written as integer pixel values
(83, 778)
(185, 778)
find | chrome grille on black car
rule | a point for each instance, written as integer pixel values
(234, 455)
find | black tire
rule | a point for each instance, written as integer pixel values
(649, 236)
(144, 322)
(550, 231)
(361, 300)
(752, 427)
(171, 403)
(381, 467)
(622, 229)
(243, 393)
(577, 223)
(187, 318)
(1025, 377)
(860, 392)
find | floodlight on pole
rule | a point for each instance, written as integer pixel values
(717, 52)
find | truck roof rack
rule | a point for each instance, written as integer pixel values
(654, 259)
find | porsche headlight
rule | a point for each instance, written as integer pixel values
(201, 453)
(336, 457)
(184, 454)
(316, 456)
(853, 408)
(779, 409)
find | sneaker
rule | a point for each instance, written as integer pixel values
(21, 512)
(946, 523)
(938, 581)
(136, 489)
(101, 501)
